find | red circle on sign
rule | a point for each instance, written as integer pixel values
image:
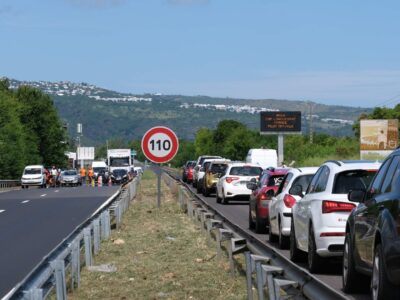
(163, 130)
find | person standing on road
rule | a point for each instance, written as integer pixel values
(90, 175)
(54, 174)
(82, 173)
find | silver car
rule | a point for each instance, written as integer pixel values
(70, 177)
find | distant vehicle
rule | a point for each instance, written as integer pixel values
(105, 176)
(33, 175)
(265, 158)
(138, 170)
(201, 173)
(291, 189)
(233, 184)
(187, 172)
(261, 195)
(319, 218)
(99, 166)
(372, 241)
(70, 177)
(199, 162)
(119, 176)
(119, 159)
(213, 173)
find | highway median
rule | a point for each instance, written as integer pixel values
(158, 254)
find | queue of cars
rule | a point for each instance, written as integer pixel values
(346, 211)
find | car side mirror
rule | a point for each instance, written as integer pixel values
(356, 195)
(251, 185)
(296, 190)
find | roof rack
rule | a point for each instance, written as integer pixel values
(336, 162)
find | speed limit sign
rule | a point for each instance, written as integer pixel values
(160, 144)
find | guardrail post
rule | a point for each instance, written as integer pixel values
(260, 281)
(96, 236)
(34, 294)
(88, 246)
(222, 235)
(117, 214)
(251, 260)
(75, 264)
(236, 246)
(269, 272)
(212, 224)
(107, 224)
(59, 274)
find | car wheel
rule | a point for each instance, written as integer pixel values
(224, 200)
(206, 192)
(314, 260)
(352, 281)
(194, 183)
(198, 188)
(283, 241)
(296, 255)
(380, 285)
(252, 224)
(217, 198)
(261, 223)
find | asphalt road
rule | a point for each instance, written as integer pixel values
(237, 212)
(34, 221)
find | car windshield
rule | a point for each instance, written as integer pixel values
(246, 171)
(119, 161)
(120, 172)
(70, 173)
(99, 169)
(352, 180)
(32, 171)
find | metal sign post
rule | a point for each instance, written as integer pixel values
(280, 149)
(159, 145)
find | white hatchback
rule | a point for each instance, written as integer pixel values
(33, 175)
(319, 218)
(292, 188)
(232, 185)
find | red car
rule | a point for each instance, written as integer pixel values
(187, 174)
(261, 195)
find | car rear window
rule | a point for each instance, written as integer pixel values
(275, 180)
(218, 168)
(352, 180)
(303, 181)
(246, 171)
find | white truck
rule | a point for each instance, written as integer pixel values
(119, 159)
(263, 157)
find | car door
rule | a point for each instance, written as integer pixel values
(363, 223)
(382, 202)
(300, 212)
(276, 202)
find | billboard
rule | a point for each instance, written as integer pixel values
(378, 138)
(279, 122)
(85, 153)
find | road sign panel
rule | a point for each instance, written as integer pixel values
(160, 144)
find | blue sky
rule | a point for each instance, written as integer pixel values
(334, 52)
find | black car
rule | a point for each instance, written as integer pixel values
(372, 242)
(119, 176)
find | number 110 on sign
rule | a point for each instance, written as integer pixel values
(160, 144)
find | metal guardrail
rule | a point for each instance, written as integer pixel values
(9, 183)
(282, 278)
(51, 273)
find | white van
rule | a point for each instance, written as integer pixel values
(33, 175)
(263, 157)
(99, 166)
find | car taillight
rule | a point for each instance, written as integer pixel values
(263, 197)
(332, 206)
(230, 179)
(190, 171)
(289, 200)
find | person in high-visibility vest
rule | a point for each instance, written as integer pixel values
(82, 173)
(90, 175)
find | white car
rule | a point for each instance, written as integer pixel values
(232, 185)
(293, 186)
(319, 218)
(33, 175)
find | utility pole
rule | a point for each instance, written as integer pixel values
(311, 122)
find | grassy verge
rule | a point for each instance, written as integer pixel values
(159, 254)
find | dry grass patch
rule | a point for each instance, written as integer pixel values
(159, 254)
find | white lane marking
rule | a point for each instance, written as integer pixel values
(43, 195)
(25, 201)
(56, 191)
(2, 210)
